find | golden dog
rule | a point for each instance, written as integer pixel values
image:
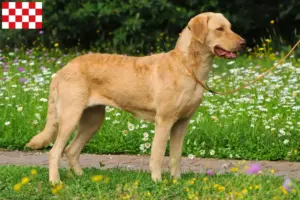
(157, 88)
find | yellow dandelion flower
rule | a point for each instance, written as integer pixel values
(295, 151)
(59, 187)
(244, 191)
(216, 185)
(17, 187)
(250, 187)
(136, 183)
(56, 44)
(53, 191)
(221, 188)
(174, 181)
(126, 196)
(284, 191)
(25, 180)
(97, 178)
(257, 187)
(191, 195)
(234, 169)
(191, 182)
(264, 44)
(272, 171)
(272, 22)
(34, 172)
(186, 189)
(294, 191)
(148, 194)
(268, 40)
(205, 179)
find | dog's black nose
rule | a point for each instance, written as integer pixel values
(243, 43)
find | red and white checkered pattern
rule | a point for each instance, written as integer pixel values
(22, 15)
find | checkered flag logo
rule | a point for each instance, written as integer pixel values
(22, 15)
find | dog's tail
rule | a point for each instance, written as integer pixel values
(49, 133)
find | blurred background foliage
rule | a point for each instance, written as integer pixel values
(144, 26)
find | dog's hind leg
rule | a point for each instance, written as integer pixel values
(49, 133)
(90, 121)
(73, 97)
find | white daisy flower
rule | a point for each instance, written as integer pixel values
(130, 126)
(202, 152)
(286, 141)
(19, 109)
(147, 145)
(125, 132)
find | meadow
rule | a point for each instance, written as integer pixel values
(31, 183)
(257, 123)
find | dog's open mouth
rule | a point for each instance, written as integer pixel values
(224, 53)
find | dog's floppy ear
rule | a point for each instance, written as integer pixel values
(198, 27)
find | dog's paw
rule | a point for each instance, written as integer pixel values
(54, 183)
(156, 177)
(78, 171)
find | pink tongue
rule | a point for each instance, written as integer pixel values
(226, 54)
(221, 52)
(230, 55)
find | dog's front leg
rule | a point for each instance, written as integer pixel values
(163, 127)
(176, 143)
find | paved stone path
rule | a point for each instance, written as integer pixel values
(35, 158)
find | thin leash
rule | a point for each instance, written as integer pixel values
(206, 87)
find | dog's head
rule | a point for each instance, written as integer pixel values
(214, 31)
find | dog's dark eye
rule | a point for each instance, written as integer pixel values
(220, 29)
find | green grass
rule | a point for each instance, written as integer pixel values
(261, 122)
(121, 184)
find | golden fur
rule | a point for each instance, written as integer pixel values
(156, 88)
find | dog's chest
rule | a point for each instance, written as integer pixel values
(189, 100)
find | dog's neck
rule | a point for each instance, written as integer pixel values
(195, 55)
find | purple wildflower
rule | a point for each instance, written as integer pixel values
(41, 32)
(210, 172)
(254, 168)
(22, 80)
(21, 69)
(288, 184)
